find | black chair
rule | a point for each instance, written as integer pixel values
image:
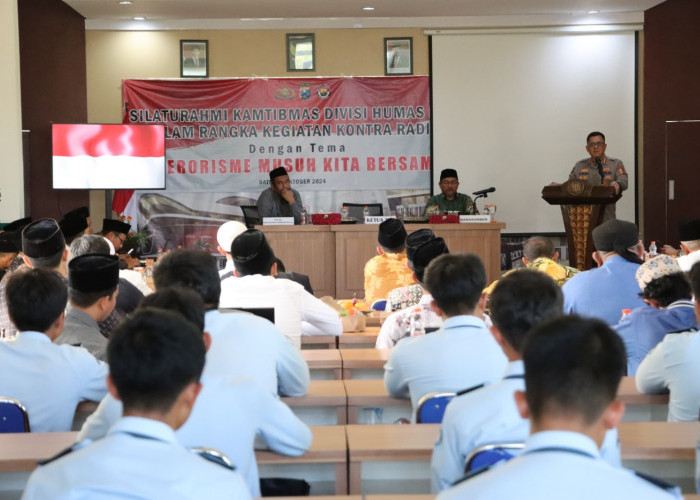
(355, 210)
(251, 216)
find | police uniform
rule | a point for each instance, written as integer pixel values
(49, 380)
(674, 365)
(484, 416)
(227, 416)
(613, 171)
(558, 464)
(646, 326)
(603, 292)
(244, 345)
(139, 458)
(462, 354)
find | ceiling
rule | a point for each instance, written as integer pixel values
(417, 13)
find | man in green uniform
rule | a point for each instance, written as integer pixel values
(612, 170)
(449, 200)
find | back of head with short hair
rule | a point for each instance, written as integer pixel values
(455, 282)
(694, 277)
(180, 300)
(89, 243)
(521, 300)
(667, 289)
(153, 356)
(538, 246)
(573, 368)
(35, 299)
(193, 269)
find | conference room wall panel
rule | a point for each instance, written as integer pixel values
(512, 110)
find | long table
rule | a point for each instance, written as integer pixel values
(334, 256)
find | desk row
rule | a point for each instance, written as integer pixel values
(351, 454)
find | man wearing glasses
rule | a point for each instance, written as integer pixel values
(599, 169)
(449, 200)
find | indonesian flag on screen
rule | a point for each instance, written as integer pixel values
(108, 156)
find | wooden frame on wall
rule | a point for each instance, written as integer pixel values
(194, 58)
(301, 52)
(398, 56)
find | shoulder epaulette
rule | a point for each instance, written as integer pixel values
(473, 473)
(67, 451)
(470, 389)
(671, 488)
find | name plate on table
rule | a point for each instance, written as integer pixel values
(278, 221)
(474, 218)
(376, 219)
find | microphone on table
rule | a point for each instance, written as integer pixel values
(484, 192)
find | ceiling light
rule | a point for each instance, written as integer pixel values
(140, 18)
(593, 12)
(368, 8)
(125, 2)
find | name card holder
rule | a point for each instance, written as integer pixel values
(376, 219)
(474, 218)
(278, 221)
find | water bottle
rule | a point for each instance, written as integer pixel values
(417, 328)
(365, 212)
(653, 251)
(304, 215)
(625, 314)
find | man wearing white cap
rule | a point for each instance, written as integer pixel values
(224, 237)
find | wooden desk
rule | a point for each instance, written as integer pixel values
(323, 393)
(334, 256)
(384, 443)
(323, 359)
(329, 445)
(21, 451)
(628, 394)
(658, 440)
(368, 359)
(319, 342)
(369, 393)
(366, 339)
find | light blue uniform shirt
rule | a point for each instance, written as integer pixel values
(557, 464)
(603, 292)
(646, 326)
(49, 379)
(488, 415)
(674, 365)
(227, 416)
(461, 354)
(244, 345)
(139, 458)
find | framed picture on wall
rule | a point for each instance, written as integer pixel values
(398, 56)
(194, 58)
(301, 52)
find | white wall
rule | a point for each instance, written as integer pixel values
(11, 177)
(512, 110)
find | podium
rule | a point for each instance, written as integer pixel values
(582, 207)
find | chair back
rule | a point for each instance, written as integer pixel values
(251, 216)
(213, 455)
(355, 210)
(431, 407)
(490, 454)
(13, 416)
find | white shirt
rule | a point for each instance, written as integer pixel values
(557, 464)
(297, 312)
(674, 365)
(226, 416)
(136, 279)
(244, 345)
(685, 262)
(488, 415)
(49, 379)
(139, 458)
(462, 354)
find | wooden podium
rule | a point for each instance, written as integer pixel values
(582, 207)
